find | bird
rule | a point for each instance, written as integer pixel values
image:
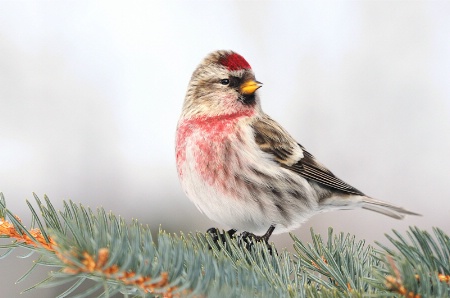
(243, 169)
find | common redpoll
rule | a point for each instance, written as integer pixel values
(241, 168)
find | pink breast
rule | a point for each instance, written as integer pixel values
(211, 141)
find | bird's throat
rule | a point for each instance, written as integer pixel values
(248, 99)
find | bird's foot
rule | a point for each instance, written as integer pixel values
(244, 238)
(216, 235)
(247, 238)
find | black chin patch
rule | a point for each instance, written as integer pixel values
(247, 99)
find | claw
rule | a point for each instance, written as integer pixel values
(216, 235)
(265, 237)
(246, 236)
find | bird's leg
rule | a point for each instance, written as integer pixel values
(265, 237)
(246, 237)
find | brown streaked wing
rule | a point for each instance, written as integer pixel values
(310, 168)
(273, 139)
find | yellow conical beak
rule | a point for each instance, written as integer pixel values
(250, 86)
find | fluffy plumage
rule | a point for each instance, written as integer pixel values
(241, 168)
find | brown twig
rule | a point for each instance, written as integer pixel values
(395, 283)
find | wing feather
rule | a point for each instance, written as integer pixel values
(273, 139)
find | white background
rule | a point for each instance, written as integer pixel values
(90, 94)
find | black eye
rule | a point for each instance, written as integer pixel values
(225, 81)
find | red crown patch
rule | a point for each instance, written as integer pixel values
(235, 62)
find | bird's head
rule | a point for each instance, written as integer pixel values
(222, 84)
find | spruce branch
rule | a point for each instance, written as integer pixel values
(122, 257)
(420, 267)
